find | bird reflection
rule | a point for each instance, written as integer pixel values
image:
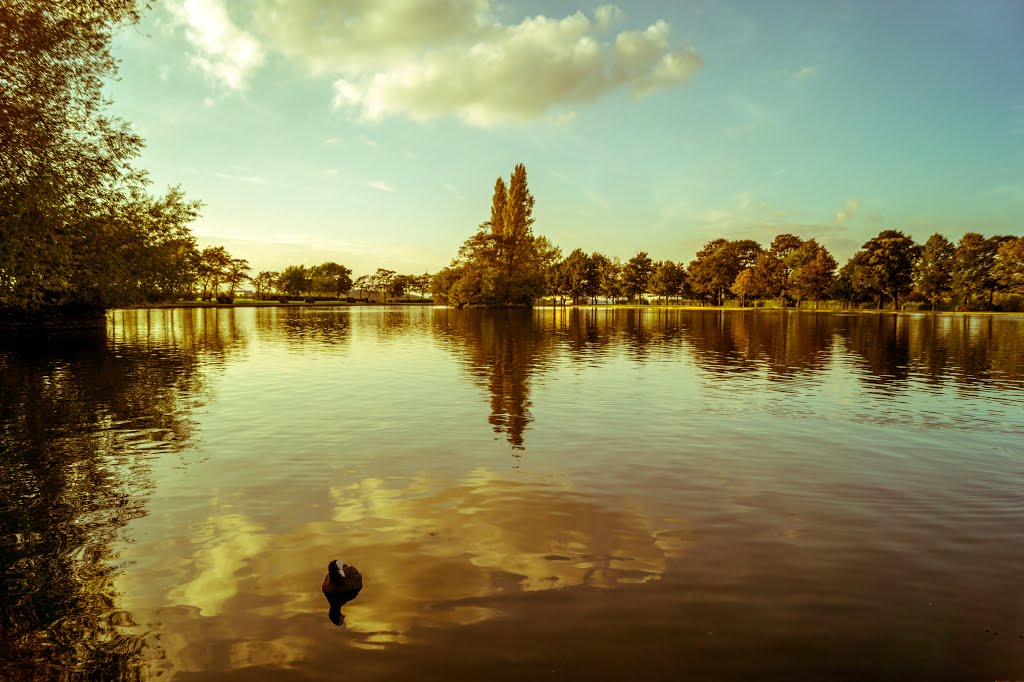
(341, 586)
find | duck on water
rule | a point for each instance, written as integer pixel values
(341, 586)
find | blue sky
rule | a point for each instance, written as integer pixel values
(370, 132)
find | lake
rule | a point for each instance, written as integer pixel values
(567, 494)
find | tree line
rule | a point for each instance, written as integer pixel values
(504, 263)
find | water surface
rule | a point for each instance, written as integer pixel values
(591, 494)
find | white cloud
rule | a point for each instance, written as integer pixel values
(378, 185)
(430, 58)
(224, 52)
(331, 36)
(849, 209)
(520, 73)
(329, 172)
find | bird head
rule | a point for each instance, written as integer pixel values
(338, 565)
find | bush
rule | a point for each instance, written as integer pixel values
(310, 299)
(350, 300)
(282, 299)
(225, 299)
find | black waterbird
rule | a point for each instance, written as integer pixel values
(341, 586)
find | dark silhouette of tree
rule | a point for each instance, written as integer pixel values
(80, 230)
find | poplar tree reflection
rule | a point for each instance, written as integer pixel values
(80, 418)
(503, 350)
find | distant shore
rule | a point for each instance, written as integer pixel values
(249, 303)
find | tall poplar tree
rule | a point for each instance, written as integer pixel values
(516, 238)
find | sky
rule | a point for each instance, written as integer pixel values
(370, 132)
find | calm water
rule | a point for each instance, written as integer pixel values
(567, 495)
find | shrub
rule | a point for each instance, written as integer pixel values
(282, 299)
(225, 299)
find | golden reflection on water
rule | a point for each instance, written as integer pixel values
(430, 552)
(93, 430)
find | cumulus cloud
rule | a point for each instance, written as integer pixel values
(521, 72)
(223, 51)
(429, 58)
(849, 209)
(342, 35)
(379, 185)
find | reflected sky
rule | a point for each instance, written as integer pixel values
(561, 489)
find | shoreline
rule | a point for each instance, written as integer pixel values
(553, 308)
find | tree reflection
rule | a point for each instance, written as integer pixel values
(503, 350)
(325, 325)
(785, 344)
(80, 419)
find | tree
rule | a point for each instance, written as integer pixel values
(668, 280)
(516, 238)
(214, 262)
(331, 277)
(610, 270)
(363, 284)
(718, 264)
(813, 269)
(400, 285)
(885, 266)
(744, 286)
(1009, 267)
(579, 274)
(235, 274)
(382, 281)
(294, 280)
(842, 287)
(80, 230)
(502, 263)
(264, 282)
(933, 274)
(777, 279)
(636, 275)
(443, 281)
(974, 268)
(423, 284)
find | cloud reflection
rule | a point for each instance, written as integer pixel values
(433, 554)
